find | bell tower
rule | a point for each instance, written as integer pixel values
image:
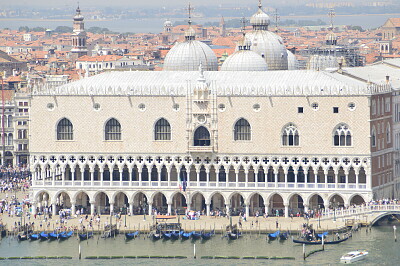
(78, 36)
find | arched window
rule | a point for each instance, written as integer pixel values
(388, 134)
(65, 130)
(242, 130)
(373, 137)
(10, 139)
(342, 136)
(9, 122)
(162, 130)
(113, 130)
(201, 137)
(290, 135)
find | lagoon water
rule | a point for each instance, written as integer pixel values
(154, 25)
(379, 243)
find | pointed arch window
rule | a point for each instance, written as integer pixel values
(162, 130)
(342, 136)
(112, 130)
(201, 137)
(373, 137)
(388, 134)
(290, 135)
(65, 130)
(242, 130)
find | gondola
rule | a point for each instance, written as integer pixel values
(44, 236)
(274, 236)
(318, 242)
(196, 236)
(53, 236)
(186, 236)
(34, 236)
(22, 236)
(166, 236)
(3, 230)
(233, 235)
(156, 236)
(324, 234)
(85, 236)
(175, 235)
(207, 236)
(65, 235)
(284, 236)
(130, 236)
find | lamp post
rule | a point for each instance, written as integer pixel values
(319, 216)
(334, 209)
(125, 214)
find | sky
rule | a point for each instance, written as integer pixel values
(139, 3)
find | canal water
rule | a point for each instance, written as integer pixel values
(379, 242)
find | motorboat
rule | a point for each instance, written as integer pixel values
(353, 256)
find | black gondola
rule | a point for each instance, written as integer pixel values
(196, 236)
(207, 236)
(130, 236)
(273, 236)
(185, 236)
(156, 236)
(232, 232)
(53, 236)
(34, 236)
(85, 236)
(166, 236)
(284, 236)
(176, 235)
(318, 242)
(22, 236)
(44, 236)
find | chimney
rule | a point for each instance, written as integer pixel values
(387, 78)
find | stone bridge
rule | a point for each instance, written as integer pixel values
(363, 214)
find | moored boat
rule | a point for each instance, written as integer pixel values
(353, 256)
(319, 242)
(186, 236)
(133, 235)
(273, 236)
(176, 235)
(44, 236)
(22, 236)
(53, 236)
(34, 236)
(207, 236)
(284, 236)
(196, 235)
(65, 235)
(85, 236)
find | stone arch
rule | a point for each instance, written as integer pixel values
(140, 202)
(296, 203)
(217, 201)
(159, 202)
(237, 202)
(336, 200)
(102, 202)
(179, 202)
(62, 199)
(277, 204)
(121, 202)
(380, 216)
(82, 201)
(256, 203)
(198, 201)
(315, 201)
(356, 199)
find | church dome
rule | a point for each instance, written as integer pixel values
(244, 60)
(168, 23)
(270, 46)
(293, 63)
(260, 20)
(188, 55)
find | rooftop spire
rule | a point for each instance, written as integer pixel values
(331, 15)
(276, 18)
(259, 4)
(190, 34)
(190, 9)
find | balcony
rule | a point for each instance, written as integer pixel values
(202, 149)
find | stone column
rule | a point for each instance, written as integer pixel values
(73, 208)
(101, 176)
(256, 177)
(197, 176)
(53, 177)
(246, 180)
(357, 181)
(286, 210)
(53, 209)
(34, 206)
(159, 176)
(140, 176)
(336, 178)
(266, 208)
(295, 177)
(63, 177)
(228, 211)
(305, 177)
(43, 177)
(286, 173)
(92, 207)
(150, 209)
(276, 178)
(73, 176)
(305, 207)
(92, 177)
(326, 177)
(111, 208)
(121, 172)
(131, 208)
(208, 209)
(208, 177)
(169, 176)
(130, 170)
(237, 178)
(170, 208)
(247, 211)
(217, 176)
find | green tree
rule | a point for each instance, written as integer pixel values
(23, 28)
(63, 29)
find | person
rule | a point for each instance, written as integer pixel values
(277, 213)
(277, 224)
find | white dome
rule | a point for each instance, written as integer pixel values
(293, 64)
(168, 23)
(270, 47)
(260, 20)
(186, 56)
(244, 60)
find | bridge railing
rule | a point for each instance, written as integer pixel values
(358, 210)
